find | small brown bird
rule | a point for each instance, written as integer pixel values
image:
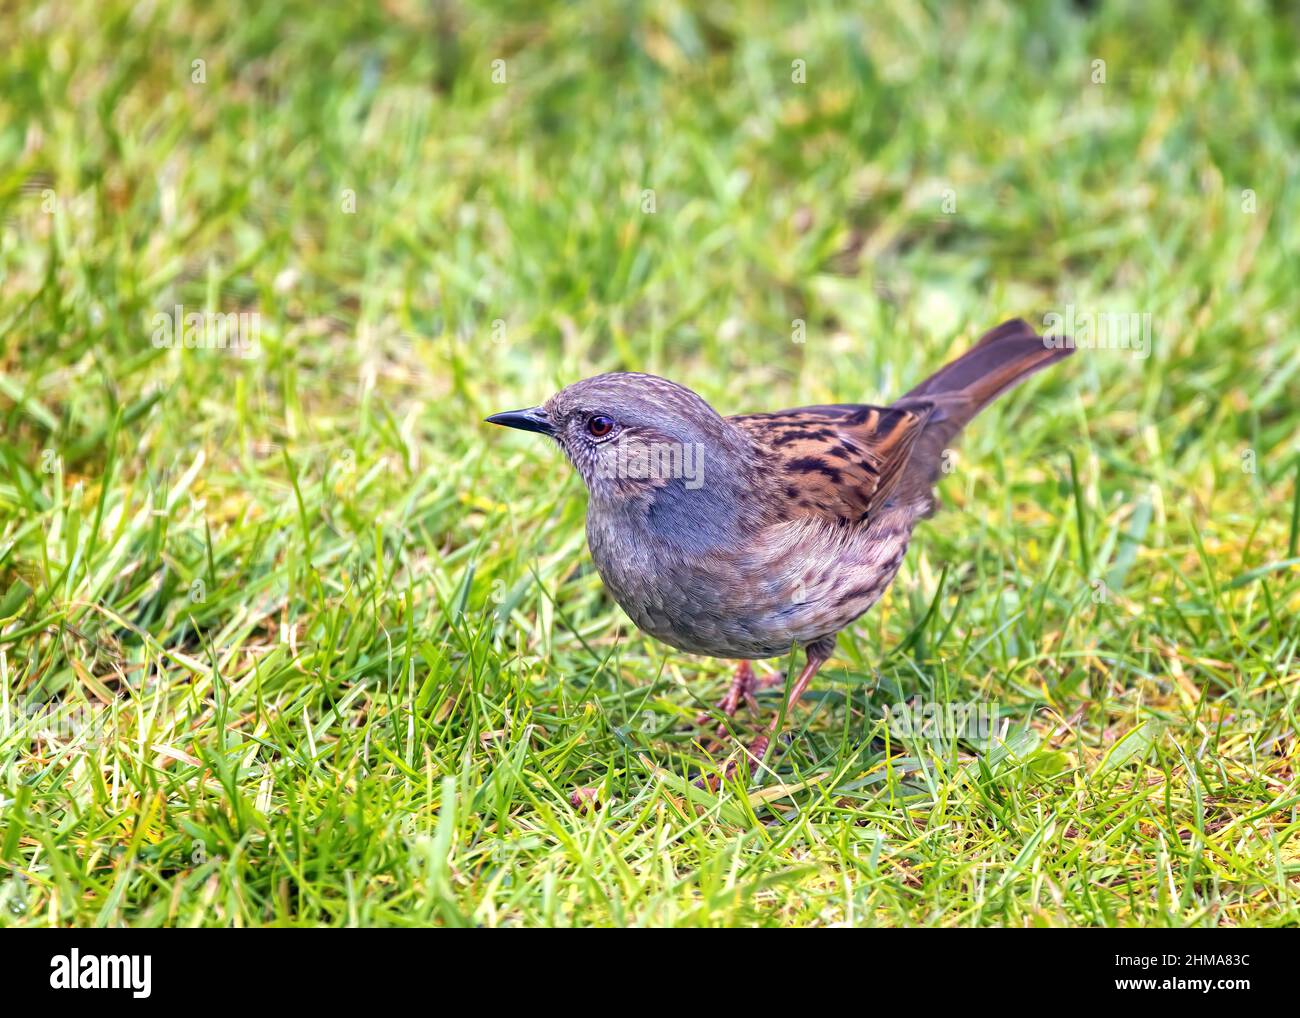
(738, 537)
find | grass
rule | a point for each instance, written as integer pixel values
(295, 639)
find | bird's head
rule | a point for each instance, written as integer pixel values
(631, 434)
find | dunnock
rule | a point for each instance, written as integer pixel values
(739, 536)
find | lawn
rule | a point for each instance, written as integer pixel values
(288, 636)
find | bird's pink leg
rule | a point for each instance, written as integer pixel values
(742, 689)
(817, 656)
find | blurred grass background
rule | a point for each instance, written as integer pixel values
(333, 651)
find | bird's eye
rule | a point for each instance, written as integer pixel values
(598, 426)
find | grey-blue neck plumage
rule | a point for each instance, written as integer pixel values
(714, 507)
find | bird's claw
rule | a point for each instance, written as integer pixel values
(754, 751)
(743, 686)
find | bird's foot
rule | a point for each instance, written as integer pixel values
(744, 684)
(756, 749)
(753, 752)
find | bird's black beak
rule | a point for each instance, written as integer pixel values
(532, 419)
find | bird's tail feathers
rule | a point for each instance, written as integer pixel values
(1002, 358)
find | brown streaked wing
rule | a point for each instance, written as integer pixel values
(836, 462)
